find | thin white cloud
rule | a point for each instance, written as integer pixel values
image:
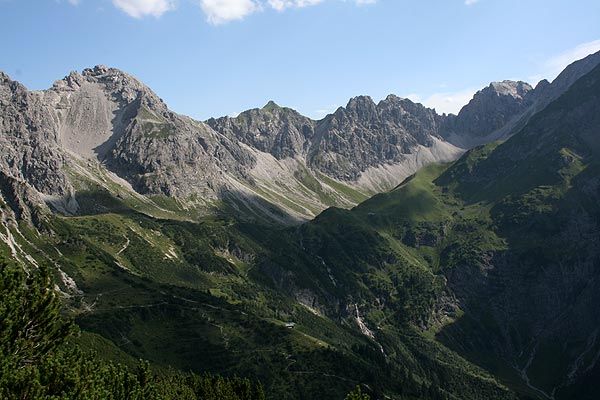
(445, 102)
(322, 112)
(556, 64)
(471, 2)
(144, 8)
(217, 11)
(281, 5)
(451, 102)
(222, 11)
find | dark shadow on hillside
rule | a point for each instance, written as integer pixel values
(122, 118)
(237, 206)
(246, 207)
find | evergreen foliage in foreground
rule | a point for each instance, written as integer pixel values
(357, 394)
(36, 361)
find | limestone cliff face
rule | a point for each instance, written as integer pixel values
(30, 160)
(503, 108)
(28, 136)
(108, 115)
(279, 131)
(491, 108)
(344, 144)
(365, 134)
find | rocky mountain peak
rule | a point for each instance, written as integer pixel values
(399, 105)
(71, 82)
(4, 78)
(362, 100)
(98, 70)
(392, 98)
(29, 161)
(279, 131)
(116, 85)
(517, 90)
(361, 106)
(8, 86)
(542, 84)
(104, 114)
(490, 109)
(271, 106)
(366, 135)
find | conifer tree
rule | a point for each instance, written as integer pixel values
(357, 394)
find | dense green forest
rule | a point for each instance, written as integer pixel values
(38, 361)
(41, 359)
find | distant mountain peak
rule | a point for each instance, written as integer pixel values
(271, 106)
(542, 84)
(393, 98)
(362, 107)
(489, 110)
(98, 70)
(360, 100)
(516, 89)
(4, 77)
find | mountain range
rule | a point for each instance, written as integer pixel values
(271, 162)
(421, 255)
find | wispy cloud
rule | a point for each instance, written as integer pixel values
(71, 2)
(143, 8)
(452, 102)
(320, 113)
(556, 64)
(471, 2)
(281, 5)
(221, 11)
(445, 102)
(217, 12)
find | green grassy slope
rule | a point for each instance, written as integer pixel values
(215, 295)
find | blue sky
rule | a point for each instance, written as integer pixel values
(215, 57)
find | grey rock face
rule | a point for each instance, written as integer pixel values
(491, 108)
(511, 107)
(365, 134)
(280, 131)
(108, 114)
(22, 200)
(174, 158)
(30, 161)
(343, 144)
